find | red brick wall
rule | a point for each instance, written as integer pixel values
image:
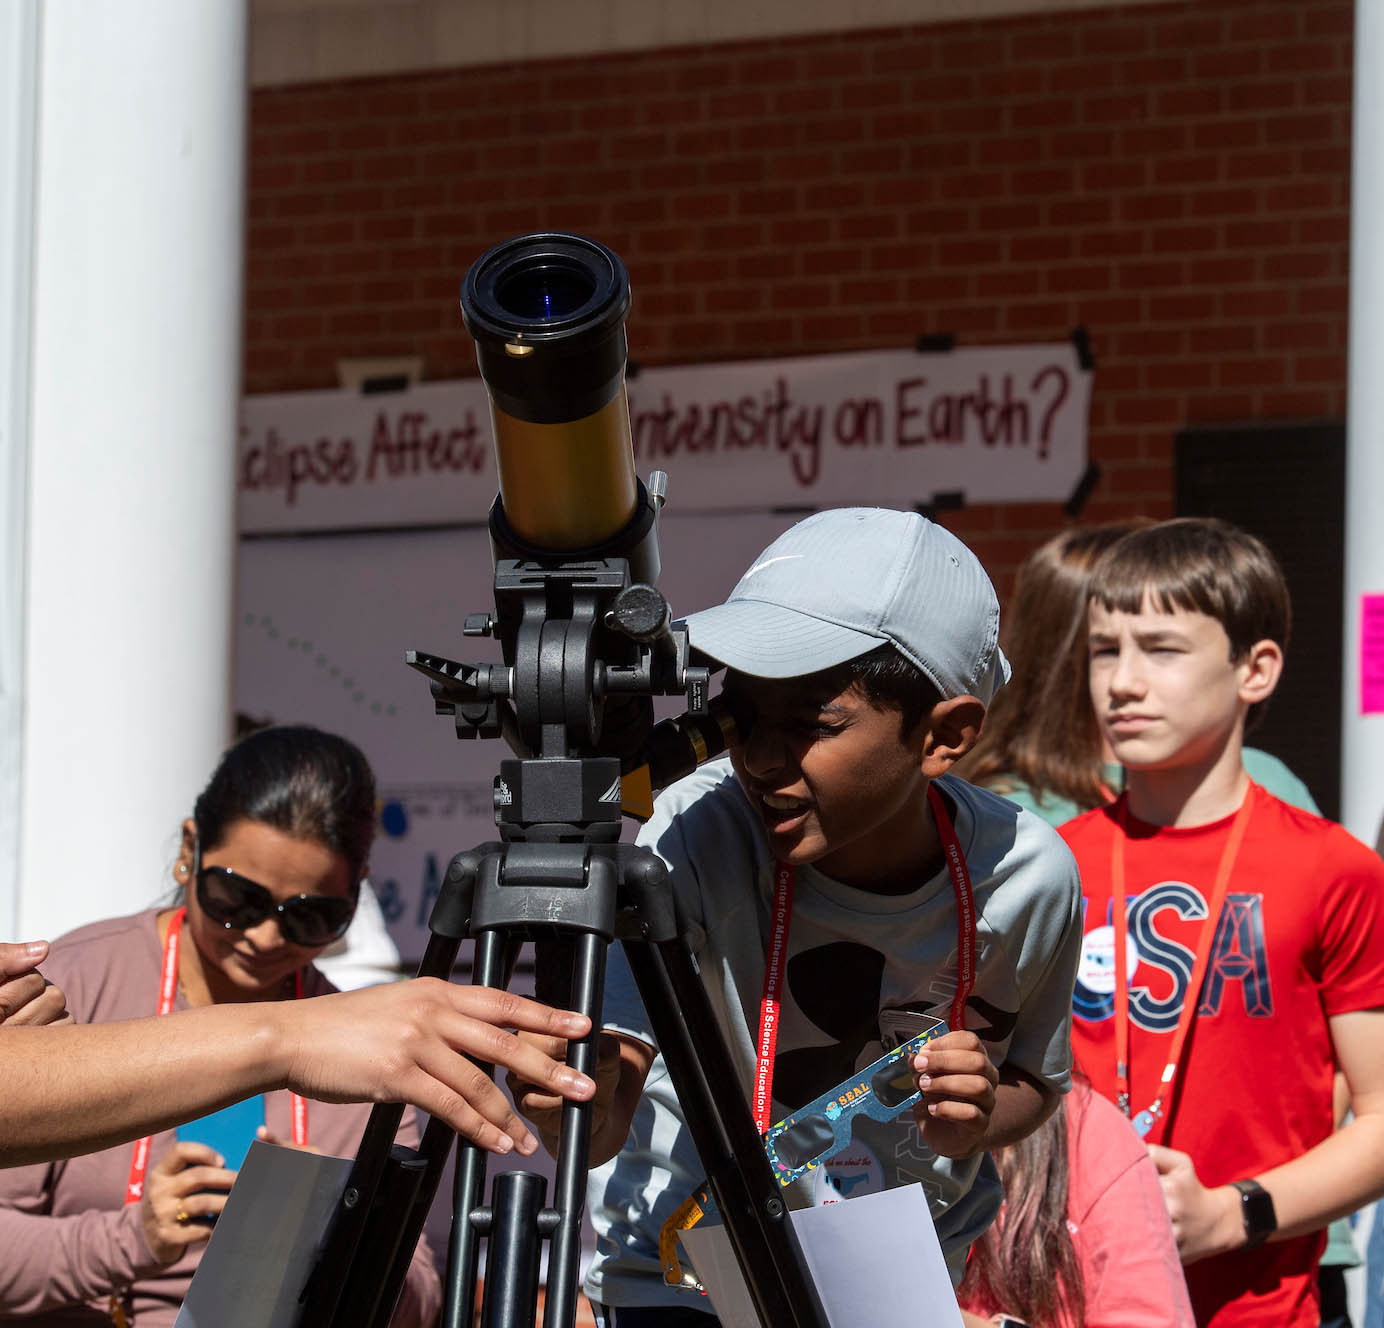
(1175, 178)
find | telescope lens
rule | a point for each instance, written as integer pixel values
(543, 293)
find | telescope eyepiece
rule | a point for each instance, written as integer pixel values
(546, 288)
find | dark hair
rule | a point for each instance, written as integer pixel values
(1040, 730)
(1202, 565)
(892, 682)
(1024, 1263)
(307, 783)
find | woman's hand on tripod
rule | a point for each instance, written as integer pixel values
(400, 1043)
(622, 1063)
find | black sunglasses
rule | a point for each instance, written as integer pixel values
(237, 903)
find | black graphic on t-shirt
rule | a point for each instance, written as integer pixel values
(838, 988)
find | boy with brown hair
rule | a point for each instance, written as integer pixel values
(1234, 946)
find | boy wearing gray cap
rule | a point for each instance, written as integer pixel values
(831, 866)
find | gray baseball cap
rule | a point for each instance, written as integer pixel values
(845, 581)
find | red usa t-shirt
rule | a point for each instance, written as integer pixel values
(1300, 938)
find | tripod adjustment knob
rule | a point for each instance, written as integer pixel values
(641, 613)
(478, 624)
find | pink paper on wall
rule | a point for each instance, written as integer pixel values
(1372, 654)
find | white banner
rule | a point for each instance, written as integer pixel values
(988, 424)
(322, 627)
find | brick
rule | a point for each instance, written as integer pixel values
(1009, 81)
(869, 226)
(1228, 62)
(1319, 368)
(1041, 247)
(1008, 283)
(1178, 171)
(1226, 270)
(1221, 135)
(1079, 280)
(1124, 243)
(1043, 180)
(1153, 69)
(1217, 340)
(1056, 112)
(1126, 106)
(1262, 371)
(1107, 39)
(1278, 24)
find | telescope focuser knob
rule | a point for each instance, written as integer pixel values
(640, 613)
(478, 624)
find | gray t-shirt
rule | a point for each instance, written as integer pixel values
(851, 955)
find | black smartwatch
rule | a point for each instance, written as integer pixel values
(1256, 1207)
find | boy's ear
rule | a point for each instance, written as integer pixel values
(949, 732)
(1261, 667)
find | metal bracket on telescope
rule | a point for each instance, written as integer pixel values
(469, 692)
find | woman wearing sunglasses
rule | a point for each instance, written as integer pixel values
(268, 870)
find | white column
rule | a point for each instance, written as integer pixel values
(135, 382)
(1362, 764)
(1362, 736)
(18, 127)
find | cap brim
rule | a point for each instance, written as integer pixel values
(770, 641)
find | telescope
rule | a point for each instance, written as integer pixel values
(586, 642)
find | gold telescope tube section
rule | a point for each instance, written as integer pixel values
(570, 485)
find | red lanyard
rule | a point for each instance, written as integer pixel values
(781, 917)
(1152, 1118)
(168, 988)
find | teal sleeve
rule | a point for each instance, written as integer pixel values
(1050, 807)
(1270, 773)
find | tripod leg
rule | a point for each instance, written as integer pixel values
(463, 1257)
(569, 1199)
(723, 1130)
(342, 1288)
(511, 1272)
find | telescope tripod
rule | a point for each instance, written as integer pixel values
(558, 877)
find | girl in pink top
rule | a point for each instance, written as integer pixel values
(1084, 1239)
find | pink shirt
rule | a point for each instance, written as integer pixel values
(1119, 1224)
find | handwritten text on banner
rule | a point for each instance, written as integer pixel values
(996, 424)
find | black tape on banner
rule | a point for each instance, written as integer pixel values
(947, 500)
(935, 343)
(385, 383)
(1088, 481)
(1085, 356)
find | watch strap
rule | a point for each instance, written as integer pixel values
(1256, 1208)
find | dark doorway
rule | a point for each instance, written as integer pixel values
(1286, 484)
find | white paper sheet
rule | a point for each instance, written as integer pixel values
(875, 1260)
